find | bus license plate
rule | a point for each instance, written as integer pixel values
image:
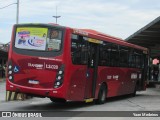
(33, 82)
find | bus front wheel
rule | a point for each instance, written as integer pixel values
(102, 94)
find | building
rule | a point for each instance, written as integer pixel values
(149, 37)
(3, 58)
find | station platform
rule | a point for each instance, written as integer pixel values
(153, 84)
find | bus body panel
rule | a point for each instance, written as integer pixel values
(118, 80)
(30, 70)
(33, 68)
(41, 69)
(36, 75)
(77, 83)
(38, 92)
(80, 86)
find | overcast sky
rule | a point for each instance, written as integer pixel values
(119, 18)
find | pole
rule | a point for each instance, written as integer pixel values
(56, 16)
(17, 16)
(17, 13)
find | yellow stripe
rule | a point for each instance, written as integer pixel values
(95, 41)
(89, 100)
(12, 95)
(7, 95)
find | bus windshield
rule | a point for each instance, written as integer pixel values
(38, 38)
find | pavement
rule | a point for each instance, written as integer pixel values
(2, 89)
(2, 79)
(144, 101)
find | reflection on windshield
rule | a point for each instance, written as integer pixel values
(54, 42)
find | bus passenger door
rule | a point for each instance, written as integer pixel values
(91, 73)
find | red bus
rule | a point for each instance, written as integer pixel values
(66, 64)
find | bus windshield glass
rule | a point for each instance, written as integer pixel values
(38, 38)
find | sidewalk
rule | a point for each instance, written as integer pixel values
(2, 79)
(2, 89)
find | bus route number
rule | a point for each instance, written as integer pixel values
(54, 67)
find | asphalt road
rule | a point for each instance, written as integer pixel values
(148, 100)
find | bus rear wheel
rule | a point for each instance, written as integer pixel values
(58, 100)
(135, 90)
(102, 95)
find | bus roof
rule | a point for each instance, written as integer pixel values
(94, 34)
(105, 37)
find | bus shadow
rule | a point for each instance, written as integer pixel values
(69, 106)
(124, 97)
(118, 98)
(56, 106)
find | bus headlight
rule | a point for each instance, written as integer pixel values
(59, 78)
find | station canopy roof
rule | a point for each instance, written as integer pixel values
(149, 37)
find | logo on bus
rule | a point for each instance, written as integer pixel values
(16, 69)
(37, 66)
(36, 42)
(41, 66)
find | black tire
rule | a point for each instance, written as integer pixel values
(58, 100)
(102, 95)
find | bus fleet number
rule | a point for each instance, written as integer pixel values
(52, 66)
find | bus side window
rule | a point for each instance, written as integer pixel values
(104, 54)
(123, 61)
(132, 61)
(138, 61)
(143, 60)
(114, 56)
(78, 50)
